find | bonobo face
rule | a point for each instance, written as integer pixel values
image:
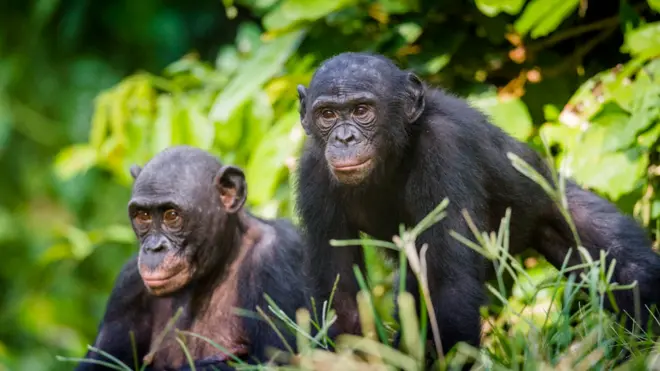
(360, 107)
(179, 206)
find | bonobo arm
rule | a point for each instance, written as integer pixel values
(274, 271)
(323, 220)
(127, 310)
(455, 272)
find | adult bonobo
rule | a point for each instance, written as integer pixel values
(383, 148)
(200, 250)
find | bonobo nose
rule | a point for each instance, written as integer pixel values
(345, 135)
(155, 244)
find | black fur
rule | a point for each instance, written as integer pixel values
(425, 145)
(272, 268)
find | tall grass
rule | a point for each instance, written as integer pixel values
(557, 322)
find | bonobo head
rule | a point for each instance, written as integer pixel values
(182, 209)
(359, 108)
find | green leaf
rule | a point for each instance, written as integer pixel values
(492, 8)
(291, 12)
(614, 120)
(201, 131)
(265, 63)
(399, 6)
(614, 173)
(543, 16)
(644, 40)
(511, 115)
(248, 38)
(74, 159)
(655, 5)
(269, 157)
(162, 132)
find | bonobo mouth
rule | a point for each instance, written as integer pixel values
(160, 284)
(350, 166)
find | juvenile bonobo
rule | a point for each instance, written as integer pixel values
(200, 250)
(383, 148)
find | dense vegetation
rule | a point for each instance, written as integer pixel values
(86, 89)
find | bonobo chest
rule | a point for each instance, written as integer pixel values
(378, 216)
(215, 320)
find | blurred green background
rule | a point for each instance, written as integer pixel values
(88, 88)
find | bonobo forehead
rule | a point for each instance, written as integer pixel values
(182, 175)
(348, 73)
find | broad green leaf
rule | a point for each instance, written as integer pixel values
(74, 159)
(511, 115)
(269, 157)
(614, 120)
(646, 109)
(228, 60)
(162, 132)
(541, 17)
(614, 174)
(263, 65)
(291, 12)
(492, 8)
(410, 31)
(229, 133)
(399, 6)
(655, 5)
(201, 131)
(644, 40)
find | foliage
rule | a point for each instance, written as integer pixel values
(583, 75)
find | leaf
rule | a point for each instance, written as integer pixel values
(399, 6)
(543, 16)
(614, 120)
(248, 38)
(269, 157)
(644, 40)
(74, 159)
(492, 8)
(161, 135)
(655, 5)
(511, 115)
(201, 131)
(291, 12)
(265, 63)
(614, 173)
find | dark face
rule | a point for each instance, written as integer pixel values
(178, 210)
(360, 107)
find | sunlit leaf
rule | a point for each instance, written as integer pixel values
(74, 160)
(269, 157)
(541, 17)
(614, 120)
(644, 40)
(291, 12)
(201, 131)
(492, 8)
(265, 63)
(161, 135)
(248, 38)
(511, 115)
(655, 5)
(399, 6)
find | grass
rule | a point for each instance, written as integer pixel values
(547, 322)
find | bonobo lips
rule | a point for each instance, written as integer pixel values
(348, 166)
(158, 280)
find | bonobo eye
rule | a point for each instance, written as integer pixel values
(363, 114)
(172, 219)
(142, 218)
(328, 114)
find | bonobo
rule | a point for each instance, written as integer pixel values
(383, 148)
(199, 250)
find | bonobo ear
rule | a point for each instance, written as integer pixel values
(135, 171)
(230, 182)
(302, 98)
(415, 97)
